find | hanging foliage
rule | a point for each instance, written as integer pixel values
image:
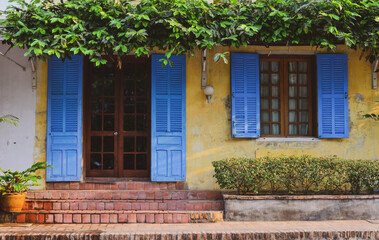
(96, 27)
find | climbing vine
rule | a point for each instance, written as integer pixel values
(96, 27)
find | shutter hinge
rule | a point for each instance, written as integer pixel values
(234, 128)
(345, 95)
(233, 94)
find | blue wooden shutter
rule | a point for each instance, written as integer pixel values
(168, 116)
(64, 120)
(245, 95)
(333, 112)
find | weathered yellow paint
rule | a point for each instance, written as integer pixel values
(209, 128)
(39, 154)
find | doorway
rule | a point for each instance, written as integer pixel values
(117, 118)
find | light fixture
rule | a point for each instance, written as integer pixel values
(209, 90)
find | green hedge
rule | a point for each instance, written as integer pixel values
(295, 175)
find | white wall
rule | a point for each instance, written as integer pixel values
(17, 98)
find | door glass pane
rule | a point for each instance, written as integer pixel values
(275, 78)
(292, 91)
(129, 70)
(303, 67)
(96, 105)
(108, 145)
(264, 67)
(128, 161)
(292, 129)
(303, 116)
(108, 161)
(265, 128)
(95, 144)
(109, 70)
(292, 104)
(274, 66)
(303, 78)
(275, 116)
(303, 129)
(141, 88)
(141, 71)
(108, 105)
(141, 161)
(303, 103)
(292, 116)
(141, 105)
(128, 144)
(109, 123)
(264, 78)
(96, 123)
(141, 123)
(141, 144)
(292, 78)
(95, 162)
(264, 91)
(129, 105)
(292, 66)
(275, 128)
(265, 116)
(129, 88)
(264, 103)
(109, 88)
(128, 123)
(303, 92)
(275, 104)
(96, 87)
(275, 91)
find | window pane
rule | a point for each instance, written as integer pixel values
(265, 116)
(96, 105)
(303, 66)
(141, 144)
(303, 78)
(275, 78)
(292, 66)
(129, 70)
(292, 91)
(292, 129)
(264, 66)
(108, 145)
(275, 104)
(264, 78)
(141, 88)
(303, 92)
(141, 105)
(141, 123)
(96, 122)
(129, 105)
(292, 78)
(95, 144)
(265, 128)
(95, 162)
(96, 87)
(292, 104)
(275, 66)
(292, 116)
(303, 116)
(128, 88)
(128, 161)
(129, 123)
(264, 91)
(109, 123)
(275, 128)
(109, 88)
(128, 144)
(264, 104)
(274, 91)
(108, 161)
(303, 129)
(109, 105)
(141, 161)
(275, 116)
(303, 103)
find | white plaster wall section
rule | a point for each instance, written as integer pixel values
(17, 98)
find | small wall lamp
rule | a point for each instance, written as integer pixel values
(209, 90)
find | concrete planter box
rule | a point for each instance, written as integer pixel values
(300, 208)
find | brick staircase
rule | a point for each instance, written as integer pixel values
(119, 202)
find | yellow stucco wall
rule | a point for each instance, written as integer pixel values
(209, 128)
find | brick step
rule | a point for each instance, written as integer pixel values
(115, 184)
(68, 217)
(125, 195)
(178, 205)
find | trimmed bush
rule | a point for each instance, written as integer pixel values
(297, 175)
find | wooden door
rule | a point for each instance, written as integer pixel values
(117, 118)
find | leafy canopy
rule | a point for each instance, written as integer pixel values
(96, 27)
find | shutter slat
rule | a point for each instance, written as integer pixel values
(333, 113)
(168, 133)
(64, 120)
(245, 95)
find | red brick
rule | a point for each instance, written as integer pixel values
(49, 218)
(104, 186)
(86, 218)
(39, 195)
(141, 218)
(148, 186)
(41, 218)
(171, 206)
(142, 195)
(89, 186)
(107, 196)
(64, 195)
(202, 195)
(192, 195)
(122, 186)
(156, 186)
(190, 206)
(47, 206)
(162, 206)
(30, 218)
(136, 206)
(150, 218)
(77, 218)
(74, 206)
(104, 218)
(185, 218)
(82, 206)
(109, 206)
(116, 196)
(95, 218)
(90, 195)
(133, 195)
(65, 206)
(67, 218)
(139, 186)
(99, 195)
(126, 206)
(159, 218)
(58, 218)
(180, 206)
(55, 195)
(82, 195)
(114, 186)
(198, 206)
(158, 195)
(150, 195)
(214, 195)
(73, 195)
(74, 185)
(163, 186)
(132, 218)
(175, 196)
(57, 206)
(131, 186)
(167, 195)
(118, 206)
(183, 195)
(100, 206)
(176, 218)
(208, 206)
(153, 206)
(171, 186)
(21, 218)
(167, 218)
(38, 205)
(124, 196)
(91, 206)
(112, 218)
(123, 218)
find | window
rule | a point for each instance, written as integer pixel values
(276, 96)
(286, 96)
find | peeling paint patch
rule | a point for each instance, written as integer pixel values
(358, 97)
